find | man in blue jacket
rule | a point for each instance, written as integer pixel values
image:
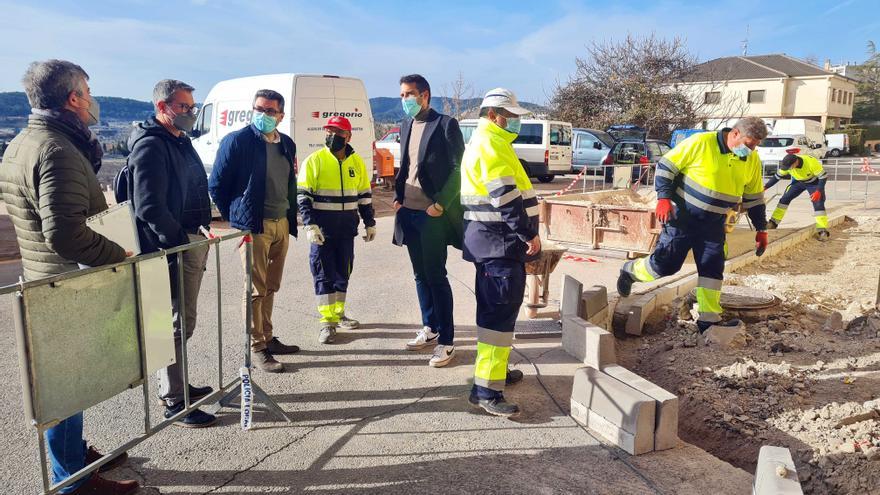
(169, 193)
(253, 184)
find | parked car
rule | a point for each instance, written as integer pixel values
(543, 146)
(391, 142)
(680, 135)
(774, 148)
(645, 153)
(811, 129)
(589, 149)
(838, 144)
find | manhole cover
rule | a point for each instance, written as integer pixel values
(539, 328)
(741, 297)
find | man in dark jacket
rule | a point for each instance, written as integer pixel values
(253, 184)
(48, 182)
(429, 213)
(169, 193)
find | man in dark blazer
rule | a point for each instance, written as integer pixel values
(429, 212)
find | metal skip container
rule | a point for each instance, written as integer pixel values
(613, 219)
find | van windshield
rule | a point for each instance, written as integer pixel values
(776, 142)
(466, 132)
(531, 134)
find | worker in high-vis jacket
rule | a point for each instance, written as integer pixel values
(333, 187)
(697, 182)
(806, 174)
(500, 233)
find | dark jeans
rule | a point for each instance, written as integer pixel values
(67, 450)
(426, 240)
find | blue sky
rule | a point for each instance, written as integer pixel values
(127, 45)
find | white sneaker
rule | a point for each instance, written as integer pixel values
(423, 339)
(442, 355)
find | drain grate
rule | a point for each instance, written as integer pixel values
(539, 328)
(742, 297)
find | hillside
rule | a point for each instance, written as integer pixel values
(112, 108)
(386, 110)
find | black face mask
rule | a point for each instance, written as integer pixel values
(335, 142)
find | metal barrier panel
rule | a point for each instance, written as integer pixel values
(89, 324)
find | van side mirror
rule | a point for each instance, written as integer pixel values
(195, 133)
(597, 145)
(817, 146)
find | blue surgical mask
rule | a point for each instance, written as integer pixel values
(514, 125)
(263, 122)
(411, 106)
(741, 151)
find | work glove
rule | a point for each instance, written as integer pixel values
(816, 196)
(371, 234)
(314, 235)
(760, 242)
(665, 210)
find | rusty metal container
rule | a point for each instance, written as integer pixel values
(619, 219)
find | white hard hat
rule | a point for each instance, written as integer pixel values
(503, 98)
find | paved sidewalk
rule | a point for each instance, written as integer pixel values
(369, 417)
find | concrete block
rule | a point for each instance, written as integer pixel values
(570, 301)
(665, 295)
(639, 312)
(606, 429)
(618, 408)
(602, 319)
(666, 418)
(595, 299)
(775, 473)
(684, 286)
(587, 342)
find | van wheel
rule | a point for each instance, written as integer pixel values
(544, 179)
(835, 153)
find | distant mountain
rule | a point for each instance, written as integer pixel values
(112, 108)
(389, 110)
(385, 110)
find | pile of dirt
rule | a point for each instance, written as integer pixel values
(807, 376)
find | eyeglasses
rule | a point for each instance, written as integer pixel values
(184, 107)
(271, 112)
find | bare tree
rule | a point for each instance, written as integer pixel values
(458, 96)
(647, 81)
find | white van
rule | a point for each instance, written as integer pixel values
(838, 144)
(812, 129)
(309, 100)
(543, 146)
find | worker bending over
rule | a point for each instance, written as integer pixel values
(806, 174)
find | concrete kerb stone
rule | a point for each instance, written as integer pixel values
(570, 303)
(602, 319)
(666, 418)
(617, 412)
(638, 310)
(775, 473)
(586, 342)
(593, 301)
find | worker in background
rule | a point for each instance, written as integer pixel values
(806, 174)
(500, 233)
(333, 187)
(697, 182)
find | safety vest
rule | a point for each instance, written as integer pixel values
(500, 205)
(809, 172)
(705, 177)
(330, 192)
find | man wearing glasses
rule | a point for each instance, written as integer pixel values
(169, 193)
(334, 187)
(253, 184)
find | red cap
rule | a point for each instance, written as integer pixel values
(339, 123)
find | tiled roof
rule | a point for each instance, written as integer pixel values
(754, 67)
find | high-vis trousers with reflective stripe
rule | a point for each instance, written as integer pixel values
(331, 265)
(677, 238)
(794, 190)
(500, 285)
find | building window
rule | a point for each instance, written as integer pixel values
(840, 97)
(833, 94)
(850, 98)
(712, 97)
(756, 96)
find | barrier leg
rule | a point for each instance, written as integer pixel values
(228, 400)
